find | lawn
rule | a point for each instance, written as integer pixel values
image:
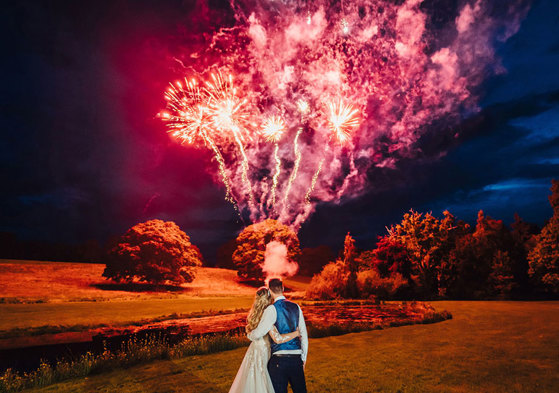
(52, 282)
(36, 293)
(486, 347)
(64, 296)
(113, 312)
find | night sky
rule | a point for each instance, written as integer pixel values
(83, 155)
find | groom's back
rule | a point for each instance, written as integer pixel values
(288, 315)
(287, 321)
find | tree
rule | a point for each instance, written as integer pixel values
(524, 236)
(544, 257)
(350, 264)
(429, 242)
(154, 251)
(501, 278)
(248, 257)
(476, 258)
(554, 197)
(389, 257)
(225, 254)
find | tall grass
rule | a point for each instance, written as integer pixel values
(132, 352)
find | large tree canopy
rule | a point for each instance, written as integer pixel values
(248, 257)
(544, 257)
(154, 251)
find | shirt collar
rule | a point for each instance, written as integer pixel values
(279, 298)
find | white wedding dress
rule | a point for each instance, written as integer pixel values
(253, 376)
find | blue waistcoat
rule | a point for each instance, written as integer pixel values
(286, 322)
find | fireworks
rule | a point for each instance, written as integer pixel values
(345, 27)
(226, 109)
(187, 117)
(342, 119)
(193, 113)
(273, 129)
(303, 107)
(313, 182)
(276, 175)
(293, 175)
(367, 67)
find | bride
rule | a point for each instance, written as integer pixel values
(253, 376)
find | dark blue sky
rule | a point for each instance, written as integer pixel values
(83, 156)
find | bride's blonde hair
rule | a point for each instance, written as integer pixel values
(261, 301)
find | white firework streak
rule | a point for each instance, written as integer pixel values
(316, 174)
(244, 172)
(276, 176)
(222, 170)
(313, 182)
(295, 168)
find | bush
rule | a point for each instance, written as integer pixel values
(154, 251)
(371, 284)
(330, 283)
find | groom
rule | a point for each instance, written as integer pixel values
(288, 359)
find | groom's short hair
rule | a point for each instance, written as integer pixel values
(275, 285)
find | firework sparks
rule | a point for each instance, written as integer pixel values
(189, 121)
(293, 174)
(305, 62)
(303, 107)
(342, 120)
(345, 27)
(186, 116)
(228, 111)
(313, 182)
(273, 130)
(229, 115)
(276, 175)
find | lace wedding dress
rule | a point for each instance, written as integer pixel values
(253, 376)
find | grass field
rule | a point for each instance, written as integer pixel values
(52, 282)
(486, 347)
(61, 296)
(113, 312)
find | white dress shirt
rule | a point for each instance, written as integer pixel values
(268, 320)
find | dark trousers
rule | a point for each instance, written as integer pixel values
(287, 369)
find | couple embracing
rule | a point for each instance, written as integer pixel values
(279, 347)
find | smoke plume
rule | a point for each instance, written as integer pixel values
(276, 263)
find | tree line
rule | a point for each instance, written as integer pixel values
(421, 257)
(428, 257)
